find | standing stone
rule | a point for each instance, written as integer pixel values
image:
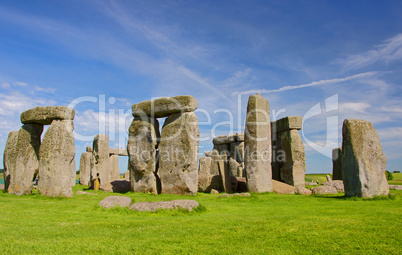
(100, 151)
(178, 160)
(204, 174)
(127, 175)
(363, 161)
(9, 157)
(257, 145)
(226, 180)
(233, 167)
(142, 145)
(114, 166)
(57, 164)
(294, 168)
(336, 164)
(85, 168)
(26, 161)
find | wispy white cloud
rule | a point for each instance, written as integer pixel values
(389, 51)
(312, 84)
(360, 107)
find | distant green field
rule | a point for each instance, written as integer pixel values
(397, 180)
(321, 178)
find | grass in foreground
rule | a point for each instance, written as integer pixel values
(260, 224)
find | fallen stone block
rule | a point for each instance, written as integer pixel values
(114, 201)
(282, 188)
(165, 205)
(322, 190)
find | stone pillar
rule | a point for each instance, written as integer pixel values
(204, 174)
(57, 164)
(257, 145)
(114, 167)
(363, 161)
(100, 151)
(26, 162)
(289, 157)
(85, 168)
(9, 157)
(142, 146)
(336, 164)
(293, 169)
(178, 159)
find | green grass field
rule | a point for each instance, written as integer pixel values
(261, 224)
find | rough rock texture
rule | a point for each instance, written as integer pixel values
(311, 183)
(204, 174)
(85, 168)
(363, 161)
(117, 186)
(9, 157)
(236, 195)
(45, 115)
(237, 151)
(223, 139)
(127, 175)
(118, 152)
(26, 159)
(165, 205)
(336, 164)
(165, 106)
(79, 192)
(336, 184)
(214, 191)
(142, 144)
(395, 187)
(225, 175)
(294, 167)
(282, 188)
(114, 201)
(89, 149)
(178, 159)
(257, 145)
(302, 191)
(56, 160)
(289, 123)
(233, 167)
(101, 160)
(322, 190)
(114, 166)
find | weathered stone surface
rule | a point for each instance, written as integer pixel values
(117, 186)
(165, 106)
(89, 149)
(363, 161)
(208, 153)
(85, 168)
(45, 115)
(214, 191)
(100, 154)
(56, 160)
(141, 147)
(178, 160)
(114, 166)
(322, 190)
(233, 167)
(336, 184)
(329, 179)
(237, 151)
(223, 151)
(224, 173)
(311, 183)
(204, 174)
(118, 152)
(302, 191)
(336, 164)
(236, 195)
(395, 187)
(79, 192)
(224, 139)
(26, 159)
(282, 188)
(127, 175)
(257, 145)
(9, 157)
(114, 201)
(289, 123)
(165, 205)
(294, 167)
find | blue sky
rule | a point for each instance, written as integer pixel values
(324, 60)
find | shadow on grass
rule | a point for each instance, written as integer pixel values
(344, 197)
